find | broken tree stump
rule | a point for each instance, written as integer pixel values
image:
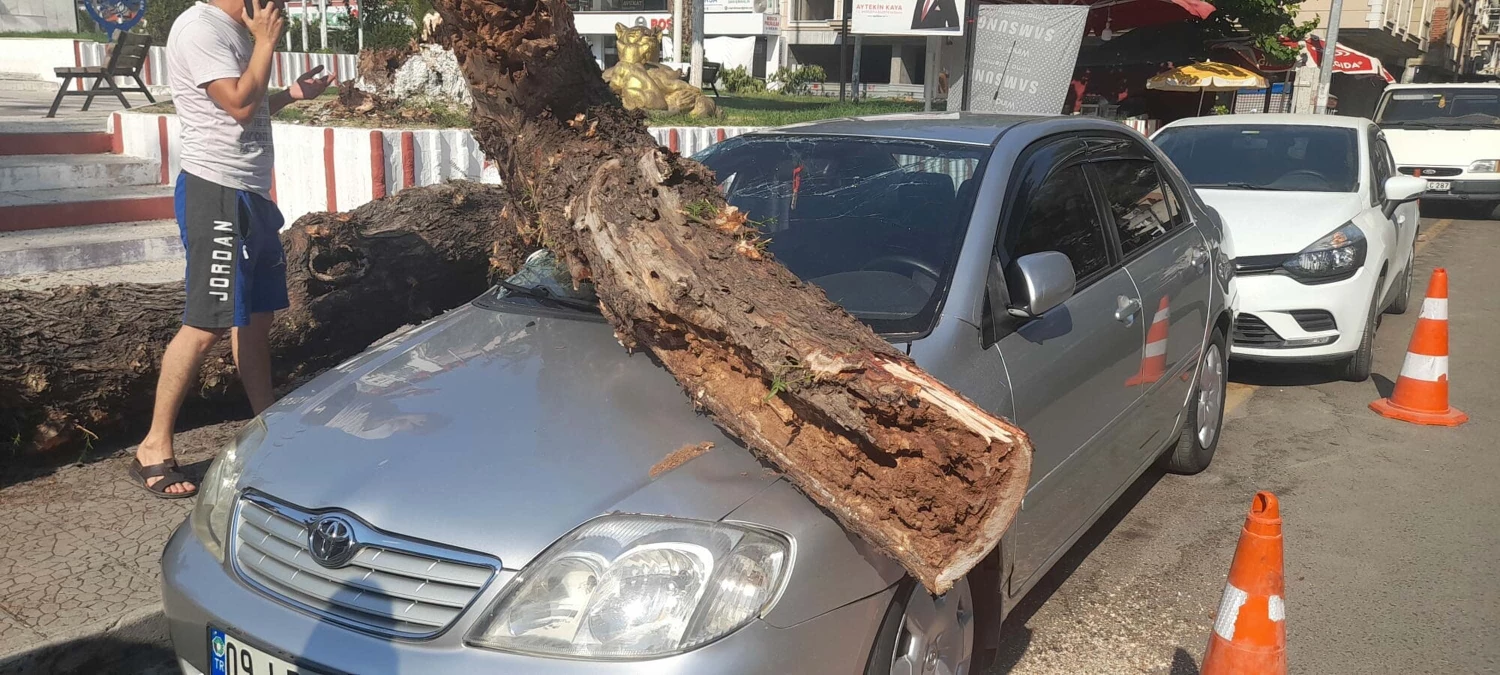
(82, 361)
(902, 460)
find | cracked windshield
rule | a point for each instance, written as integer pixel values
(1441, 108)
(877, 224)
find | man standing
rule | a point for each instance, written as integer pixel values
(219, 59)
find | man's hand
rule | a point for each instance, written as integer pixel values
(309, 85)
(266, 24)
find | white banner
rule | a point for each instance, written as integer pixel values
(1024, 57)
(908, 17)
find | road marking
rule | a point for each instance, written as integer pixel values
(1237, 394)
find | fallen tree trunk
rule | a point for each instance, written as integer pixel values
(82, 361)
(898, 457)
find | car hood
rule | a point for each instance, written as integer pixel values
(497, 432)
(1267, 223)
(1442, 147)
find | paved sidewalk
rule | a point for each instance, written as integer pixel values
(80, 550)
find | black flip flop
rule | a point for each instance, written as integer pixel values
(169, 474)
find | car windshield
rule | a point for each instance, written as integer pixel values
(1277, 157)
(876, 223)
(1440, 108)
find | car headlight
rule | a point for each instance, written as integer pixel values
(1338, 254)
(1485, 166)
(633, 587)
(216, 493)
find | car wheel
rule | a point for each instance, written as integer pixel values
(1402, 299)
(1357, 366)
(926, 635)
(1195, 446)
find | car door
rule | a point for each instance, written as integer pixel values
(1168, 258)
(1067, 367)
(1406, 217)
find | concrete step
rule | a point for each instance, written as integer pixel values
(30, 137)
(37, 209)
(48, 172)
(161, 271)
(64, 249)
(25, 82)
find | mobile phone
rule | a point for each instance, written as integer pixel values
(250, 8)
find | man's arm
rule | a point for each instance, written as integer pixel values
(309, 86)
(239, 96)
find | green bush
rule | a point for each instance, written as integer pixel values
(795, 81)
(159, 17)
(738, 80)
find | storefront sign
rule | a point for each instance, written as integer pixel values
(729, 6)
(908, 17)
(771, 24)
(1024, 57)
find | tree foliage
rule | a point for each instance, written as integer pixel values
(1264, 22)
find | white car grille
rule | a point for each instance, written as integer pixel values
(391, 586)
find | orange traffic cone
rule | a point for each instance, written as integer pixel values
(1154, 360)
(1249, 636)
(1421, 394)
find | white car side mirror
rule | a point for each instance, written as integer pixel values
(1404, 188)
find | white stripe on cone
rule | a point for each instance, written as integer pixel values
(1435, 308)
(1229, 611)
(1158, 348)
(1161, 315)
(1424, 367)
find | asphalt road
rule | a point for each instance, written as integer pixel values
(1392, 531)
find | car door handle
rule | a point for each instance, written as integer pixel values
(1200, 257)
(1126, 309)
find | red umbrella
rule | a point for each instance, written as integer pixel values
(1346, 60)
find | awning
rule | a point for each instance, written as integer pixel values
(1345, 60)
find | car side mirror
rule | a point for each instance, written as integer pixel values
(1402, 189)
(1039, 282)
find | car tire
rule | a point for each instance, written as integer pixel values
(1195, 445)
(943, 628)
(1357, 367)
(1401, 300)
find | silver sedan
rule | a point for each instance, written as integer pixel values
(485, 493)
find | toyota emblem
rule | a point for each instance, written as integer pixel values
(330, 540)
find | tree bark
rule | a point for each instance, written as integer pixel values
(82, 361)
(898, 457)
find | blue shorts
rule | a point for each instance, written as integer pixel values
(235, 264)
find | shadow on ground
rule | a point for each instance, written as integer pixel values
(92, 655)
(1015, 636)
(1264, 374)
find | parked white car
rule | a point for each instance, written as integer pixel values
(1450, 135)
(1323, 229)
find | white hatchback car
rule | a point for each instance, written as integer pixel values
(1323, 229)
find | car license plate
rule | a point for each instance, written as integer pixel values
(1439, 185)
(227, 655)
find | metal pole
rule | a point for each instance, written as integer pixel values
(696, 76)
(971, 20)
(1325, 65)
(844, 48)
(859, 43)
(323, 24)
(361, 25)
(302, 14)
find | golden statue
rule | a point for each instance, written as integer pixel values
(643, 83)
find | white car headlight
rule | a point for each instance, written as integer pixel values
(1336, 255)
(633, 587)
(1485, 166)
(216, 493)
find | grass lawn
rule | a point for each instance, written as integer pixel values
(66, 35)
(772, 110)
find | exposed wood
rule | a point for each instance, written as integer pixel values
(899, 458)
(83, 360)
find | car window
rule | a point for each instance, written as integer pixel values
(1142, 208)
(1060, 216)
(1385, 166)
(1379, 170)
(1290, 157)
(1440, 107)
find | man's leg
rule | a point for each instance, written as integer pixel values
(179, 369)
(252, 354)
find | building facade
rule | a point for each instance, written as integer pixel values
(31, 16)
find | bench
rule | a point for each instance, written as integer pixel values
(711, 76)
(126, 59)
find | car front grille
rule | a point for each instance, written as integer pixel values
(1429, 171)
(392, 586)
(1314, 320)
(1251, 331)
(1259, 264)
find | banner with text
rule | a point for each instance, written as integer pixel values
(908, 17)
(1024, 57)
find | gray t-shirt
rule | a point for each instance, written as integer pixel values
(206, 44)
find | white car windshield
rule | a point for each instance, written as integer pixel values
(1440, 108)
(1277, 157)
